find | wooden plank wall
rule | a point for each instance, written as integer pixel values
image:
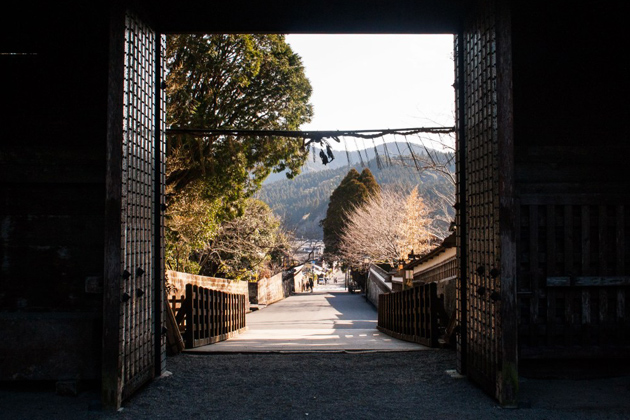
(445, 270)
(572, 181)
(52, 164)
(574, 282)
(52, 189)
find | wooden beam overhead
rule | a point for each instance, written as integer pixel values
(304, 16)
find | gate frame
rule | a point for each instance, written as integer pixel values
(507, 389)
(113, 390)
(506, 333)
(112, 383)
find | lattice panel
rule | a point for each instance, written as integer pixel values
(138, 193)
(482, 199)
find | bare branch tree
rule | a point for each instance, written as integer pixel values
(386, 228)
(245, 245)
(439, 158)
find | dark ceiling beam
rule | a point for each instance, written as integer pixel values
(304, 16)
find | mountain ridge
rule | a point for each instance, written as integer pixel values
(302, 202)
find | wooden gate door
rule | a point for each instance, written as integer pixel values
(487, 314)
(133, 343)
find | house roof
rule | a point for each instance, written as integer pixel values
(448, 242)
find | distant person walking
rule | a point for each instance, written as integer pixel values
(310, 284)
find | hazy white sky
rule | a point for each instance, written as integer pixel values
(378, 81)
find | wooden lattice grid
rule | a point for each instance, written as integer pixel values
(477, 102)
(138, 224)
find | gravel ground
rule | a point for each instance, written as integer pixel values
(402, 385)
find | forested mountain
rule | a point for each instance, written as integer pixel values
(389, 152)
(302, 202)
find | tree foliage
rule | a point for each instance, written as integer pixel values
(244, 246)
(353, 190)
(227, 82)
(233, 82)
(191, 224)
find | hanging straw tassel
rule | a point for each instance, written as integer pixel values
(402, 160)
(379, 164)
(346, 149)
(387, 155)
(413, 156)
(359, 152)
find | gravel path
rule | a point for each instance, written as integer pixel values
(402, 385)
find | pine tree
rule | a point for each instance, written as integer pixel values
(367, 179)
(353, 191)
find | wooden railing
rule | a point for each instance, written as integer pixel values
(207, 316)
(410, 315)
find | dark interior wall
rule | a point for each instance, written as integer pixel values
(52, 158)
(571, 113)
(52, 190)
(572, 141)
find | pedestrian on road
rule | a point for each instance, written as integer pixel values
(310, 284)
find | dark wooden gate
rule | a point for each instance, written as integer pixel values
(133, 344)
(486, 293)
(574, 284)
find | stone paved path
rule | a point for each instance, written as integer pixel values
(329, 319)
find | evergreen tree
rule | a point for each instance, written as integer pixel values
(233, 82)
(351, 193)
(227, 81)
(367, 179)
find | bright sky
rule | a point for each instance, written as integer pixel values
(378, 81)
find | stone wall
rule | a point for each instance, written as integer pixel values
(178, 282)
(377, 284)
(299, 280)
(267, 291)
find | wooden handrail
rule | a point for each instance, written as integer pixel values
(410, 315)
(211, 315)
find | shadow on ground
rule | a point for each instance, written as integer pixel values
(410, 385)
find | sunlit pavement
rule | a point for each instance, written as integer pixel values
(328, 319)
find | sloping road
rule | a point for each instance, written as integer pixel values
(329, 319)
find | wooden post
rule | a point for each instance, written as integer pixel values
(462, 228)
(508, 306)
(188, 310)
(111, 383)
(433, 335)
(159, 321)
